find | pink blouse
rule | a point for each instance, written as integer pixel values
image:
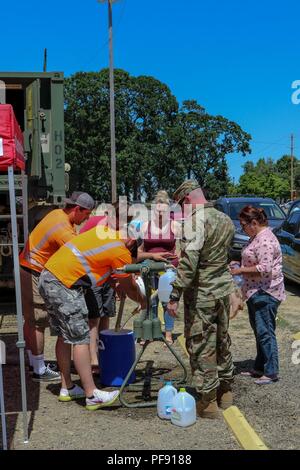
(264, 252)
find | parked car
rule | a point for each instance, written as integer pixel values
(289, 238)
(232, 206)
(294, 206)
(286, 206)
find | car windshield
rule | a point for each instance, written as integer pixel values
(271, 209)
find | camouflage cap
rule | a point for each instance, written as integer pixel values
(185, 188)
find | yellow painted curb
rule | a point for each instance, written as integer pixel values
(244, 433)
(181, 340)
(297, 336)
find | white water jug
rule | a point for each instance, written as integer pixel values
(164, 285)
(165, 400)
(184, 409)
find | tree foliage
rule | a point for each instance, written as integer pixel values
(268, 178)
(158, 143)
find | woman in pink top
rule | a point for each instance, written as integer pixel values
(160, 239)
(263, 290)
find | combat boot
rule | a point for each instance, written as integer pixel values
(224, 395)
(207, 406)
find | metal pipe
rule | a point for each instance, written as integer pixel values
(20, 342)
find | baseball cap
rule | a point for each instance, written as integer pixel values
(81, 199)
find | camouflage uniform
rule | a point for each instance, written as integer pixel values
(204, 279)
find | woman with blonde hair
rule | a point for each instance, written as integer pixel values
(160, 235)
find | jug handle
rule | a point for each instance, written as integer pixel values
(101, 345)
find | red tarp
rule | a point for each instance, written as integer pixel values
(11, 140)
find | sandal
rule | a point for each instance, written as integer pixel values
(265, 380)
(252, 373)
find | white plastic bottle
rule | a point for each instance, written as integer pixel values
(164, 285)
(165, 400)
(184, 409)
(238, 278)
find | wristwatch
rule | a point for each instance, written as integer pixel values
(174, 298)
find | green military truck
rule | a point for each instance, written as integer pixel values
(38, 102)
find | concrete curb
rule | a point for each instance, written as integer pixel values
(243, 432)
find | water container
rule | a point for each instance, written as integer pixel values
(164, 285)
(147, 330)
(116, 356)
(184, 409)
(138, 328)
(237, 278)
(156, 328)
(165, 400)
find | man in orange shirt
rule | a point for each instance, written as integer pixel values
(89, 259)
(55, 229)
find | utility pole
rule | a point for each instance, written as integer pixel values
(112, 109)
(112, 104)
(292, 166)
(45, 61)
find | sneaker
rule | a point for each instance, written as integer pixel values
(53, 366)
(48, 376)
(101, 399)
(74, 394)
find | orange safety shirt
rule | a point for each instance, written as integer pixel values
(92, 255)
(48, 236)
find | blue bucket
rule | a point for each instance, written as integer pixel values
(116, 356)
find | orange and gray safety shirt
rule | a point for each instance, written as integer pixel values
(90, 258)
(48, 236)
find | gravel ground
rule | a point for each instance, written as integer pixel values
(272, 410)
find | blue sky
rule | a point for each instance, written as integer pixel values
(236, 58)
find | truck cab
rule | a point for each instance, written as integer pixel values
(38, 103)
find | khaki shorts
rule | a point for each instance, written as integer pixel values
(34, 308)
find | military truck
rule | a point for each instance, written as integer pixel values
(38, 103)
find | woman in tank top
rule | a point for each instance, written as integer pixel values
(160, 235)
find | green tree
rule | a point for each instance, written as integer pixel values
(206, 141)
(158, 145)
(268, 178)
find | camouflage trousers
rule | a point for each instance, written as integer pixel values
(208, 342)
(68, 313)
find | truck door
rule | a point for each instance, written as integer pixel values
(32, 130)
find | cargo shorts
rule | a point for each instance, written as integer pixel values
(68, 313)
(101, 301)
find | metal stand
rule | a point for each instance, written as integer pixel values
(20, 343)
(151, 330)
(2, 405)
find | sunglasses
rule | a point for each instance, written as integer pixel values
(245, 224)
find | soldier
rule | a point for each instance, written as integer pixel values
(204, 279)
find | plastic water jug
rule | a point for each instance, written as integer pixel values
(184, 409)
(165, 400)
(237, 278)
(164, 285)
